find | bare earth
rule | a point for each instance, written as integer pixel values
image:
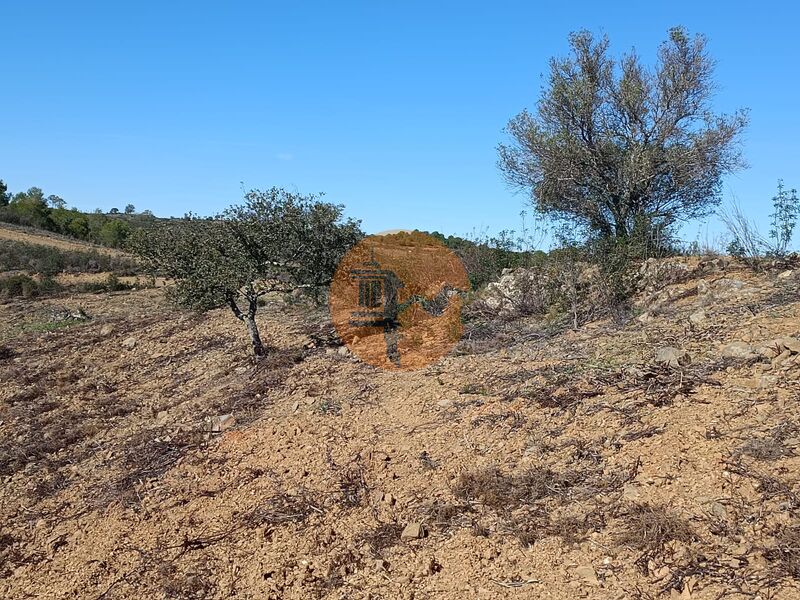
(528, 466)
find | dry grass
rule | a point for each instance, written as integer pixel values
(647, 528)
(785, 556)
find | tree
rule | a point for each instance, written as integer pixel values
(31, 208)
(130, 209)
(114, 211)
(56, 201)
(276, 241)
(618, 148)
(114, 232)
(4, 196)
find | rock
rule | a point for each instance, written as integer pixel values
(413, 531)
(726, 284)
(672, 357)
(791, 343)
(221, 423)
(587, 574)
(645, 317)
(698, 318)
(343, 351)
(381, 565)
(768, 352)
(738, 350)
(766, 382)
(719, 510)
(781, 358)
(106, 330)
(785, 274)
(129, 343)
(444, 403)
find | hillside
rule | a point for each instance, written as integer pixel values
(530, 463)
(41, 237)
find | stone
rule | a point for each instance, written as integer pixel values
(413, 531)
(221, 423)
(587, 574)
(725, 284)
(791, 343)
(781, 358)
(106, 330)
(738, 350)
(343, 351)
(698, 317)
(719, 510)
(768, 352)
(672, 357)
(129, 343)
(444, 403)
(785, 274)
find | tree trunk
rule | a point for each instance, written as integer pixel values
(249, 320)
(255, 338)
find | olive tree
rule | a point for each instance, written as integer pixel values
(276, 241)
(615, 145)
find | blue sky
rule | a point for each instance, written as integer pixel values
(393, 109)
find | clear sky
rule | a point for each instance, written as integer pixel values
(394, 109)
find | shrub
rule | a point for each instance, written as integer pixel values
(23, 286)
(47, 260)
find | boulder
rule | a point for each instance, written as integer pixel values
(129, 343)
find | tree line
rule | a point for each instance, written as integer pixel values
(33, 209)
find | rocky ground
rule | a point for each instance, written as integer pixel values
(144, 455)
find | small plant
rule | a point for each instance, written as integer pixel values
(111, 283)
(786, 209)
(648, 527)
(746, 242)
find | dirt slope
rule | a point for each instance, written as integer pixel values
(531, 465)
(29, 235)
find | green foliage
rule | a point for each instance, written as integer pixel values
(114, 233)
(29, 208)
(615, 145)
(111, 283)
(786, 209)
(23, 286)
(276, 241)
(47, 260)
(485, 257)
(32, 209)
(4, 198)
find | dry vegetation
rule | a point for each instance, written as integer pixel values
(535, 461)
